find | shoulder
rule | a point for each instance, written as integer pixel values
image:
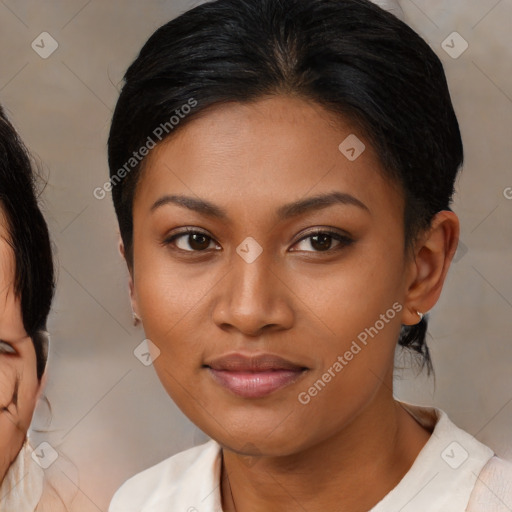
(173, 481)
(493, 488)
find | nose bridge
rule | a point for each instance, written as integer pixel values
(252, 280)
(253, 297)
(252, 284)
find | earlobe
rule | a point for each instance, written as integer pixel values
(433, 254)
(133, 301)
(131, 288)
(120, 247)
(42, 385)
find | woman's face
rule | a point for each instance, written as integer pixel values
(19, 385)
(256, 182)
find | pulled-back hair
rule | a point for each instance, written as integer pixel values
(349, 56)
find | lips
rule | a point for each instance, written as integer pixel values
(254, 376)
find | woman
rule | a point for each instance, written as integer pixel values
(26, 291)
(282, 173)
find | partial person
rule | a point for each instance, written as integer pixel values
(26, 290)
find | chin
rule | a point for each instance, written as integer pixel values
(257, 441)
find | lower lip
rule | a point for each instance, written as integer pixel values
(255, 384)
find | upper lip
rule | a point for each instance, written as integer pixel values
(252, 363)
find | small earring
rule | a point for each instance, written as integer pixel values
(421, 315)
(136, 319)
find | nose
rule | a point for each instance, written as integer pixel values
(253, 299)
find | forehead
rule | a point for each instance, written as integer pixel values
(4, 223)
(11, 322)
(271, 151)
(7, 262)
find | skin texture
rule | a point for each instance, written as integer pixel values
(19, 386)
(295, 300)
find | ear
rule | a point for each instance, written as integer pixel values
(42, 385)
(120, 247)
(433, 254)
(131, 289)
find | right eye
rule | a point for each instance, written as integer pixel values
(191, 241)
(5, 348)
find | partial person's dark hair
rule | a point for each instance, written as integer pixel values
(30, 240)
(349, 56)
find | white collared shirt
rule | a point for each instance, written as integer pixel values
(27, 487)
(453, 472)
(22, 486)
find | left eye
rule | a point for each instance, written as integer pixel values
(5, 348)
(321, 241)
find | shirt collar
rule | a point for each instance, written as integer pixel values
(22, 486)
(445, 471)
(440, 479)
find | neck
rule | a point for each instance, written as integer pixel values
(379, 446)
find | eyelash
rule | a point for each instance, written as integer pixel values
(344, 240)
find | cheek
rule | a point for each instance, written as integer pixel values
(346, 299)
(166, 290)
(7, 383)
(357, 311)
(172, 304)
(16, 417)
(172, 296)
(357, 326)
(18, 393)
(29, 390)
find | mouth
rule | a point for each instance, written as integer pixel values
(254, 376)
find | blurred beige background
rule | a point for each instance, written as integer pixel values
(110, 417)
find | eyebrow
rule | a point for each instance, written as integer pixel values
(284, 212)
